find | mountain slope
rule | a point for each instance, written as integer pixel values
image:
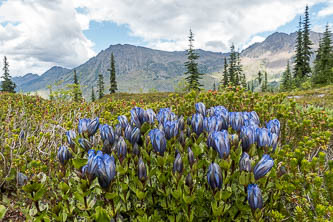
(141, 69)
(273, 54)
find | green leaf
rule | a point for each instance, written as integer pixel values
(101, 215)
(3, 211)
(80, 162)
(110, 196)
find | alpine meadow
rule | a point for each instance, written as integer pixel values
(189, 112)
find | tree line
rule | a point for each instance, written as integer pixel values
(302, 73)
(296, 74)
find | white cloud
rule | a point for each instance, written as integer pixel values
(216, 24)
(254, 39)
(43, 33)
(327, 10)
(37, 34)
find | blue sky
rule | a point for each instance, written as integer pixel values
(38, 34)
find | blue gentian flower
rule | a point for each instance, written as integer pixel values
(214, 176)
(263, 166)
(254, 196)
(158, 140)
(245, 162)
(200, 108)
(64, 155)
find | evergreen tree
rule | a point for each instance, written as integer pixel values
(241, 79)
(233, 79)
(286, 79)
(93, 94)
(192, 72)
(298, 62)
(225, 81)
(100, 86)
(259, 77)
(76, 88)
(264, 84)
(306, 53)
(7, 85)
(214, 87)
(324, 60)
(112, 70)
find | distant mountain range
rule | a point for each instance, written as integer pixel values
(141, 69)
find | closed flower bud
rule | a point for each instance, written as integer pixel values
(190, 156)
(107, 147)
(181, 123)
(142, 171)
(236, 120)
(234, 139)
(106, 170)
(274, 141)
(22, 134)
(118, 130)
(245, 162)
(170, 129)
(181, 138)
(220, 142)
(93, 126)
(263, 166)
(121, 149)
(136, 149)
(128, 132)
(106, 133)
(223, 114)
(210, 111)
(137, 116)
(188, 131)
(274, 126)
(158, 140)
(63, 155)
(21, 179)
(85, 144)
(189, 180)
(178, 163)
(71, 135)
(214, 176)
(197, 123)
(135, 135)
(150, 116)
(82, 127)
(263, 137)
(254, 196)
(189, 121)
(254, 116)
(247, 136)
(122, 121)
(200, 108)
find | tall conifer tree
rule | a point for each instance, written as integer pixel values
(112, 70)
(192, 71)
(286, 79)
(77, 90)
(232, 66)
(100, 86)
(7, 85)
(298, 62)
(324, 60)
(93, 98)
(306, 49)
(225, 73)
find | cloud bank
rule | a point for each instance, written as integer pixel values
(37, 34)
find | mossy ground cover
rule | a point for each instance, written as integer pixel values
(297, 188)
